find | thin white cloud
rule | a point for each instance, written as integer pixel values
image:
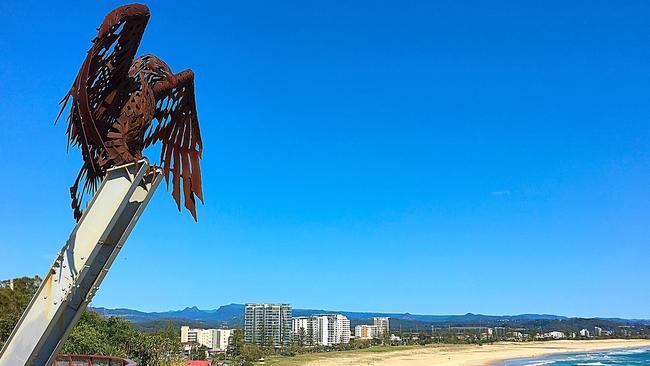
(501, 193)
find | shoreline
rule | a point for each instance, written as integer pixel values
(462, 355)
(504, 362)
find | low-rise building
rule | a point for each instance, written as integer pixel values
(598, 331)
(380, 327)
(517, 334)
(213, 339)
(625, 330)
(554, 335)
(366, 331)
(189, 335)
(500, 332)
(463, 333)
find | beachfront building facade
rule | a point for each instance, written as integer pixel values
(321, 329)
(213, 339)
(267, 324)
(222, 337)
(554, 335)
(380, 327)
(464, 333)
(342, 329)
(203, 337)
(365, 331)
(499, 332)
(382, 324)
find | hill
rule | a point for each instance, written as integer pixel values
(233, 315)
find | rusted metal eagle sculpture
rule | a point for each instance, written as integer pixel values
(115, 99)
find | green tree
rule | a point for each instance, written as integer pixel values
(118, 337)
(252, 353)
(301, 336)
(169, 330)
(93, 334)
(87, 339)
(236, 343)
(198, 352)
(15, 295)
(385, 337)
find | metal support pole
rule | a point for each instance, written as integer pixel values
(81, 265)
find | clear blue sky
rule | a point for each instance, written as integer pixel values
(436, 157)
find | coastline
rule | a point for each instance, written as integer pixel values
(577, 347)
(461, 355)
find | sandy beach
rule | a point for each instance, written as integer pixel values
(460, 355)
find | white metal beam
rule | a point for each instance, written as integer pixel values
(81, 265)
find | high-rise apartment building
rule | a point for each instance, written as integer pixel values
(268, 324)
(342, 329)
(303, 330)
(322, 329)
(382, 324)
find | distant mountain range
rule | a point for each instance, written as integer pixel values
(233, 315)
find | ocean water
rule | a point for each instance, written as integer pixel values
(620, 357)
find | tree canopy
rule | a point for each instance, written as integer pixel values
(94, 335)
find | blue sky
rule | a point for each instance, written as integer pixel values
(436, 157)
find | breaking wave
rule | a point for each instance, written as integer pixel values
(618, 357)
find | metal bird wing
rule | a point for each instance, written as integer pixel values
(178, 129)
(95, 91)
(106, 66)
